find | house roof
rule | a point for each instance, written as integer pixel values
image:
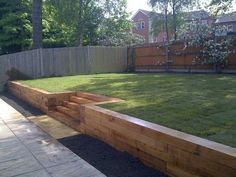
(200, 14)
(145, 12)
(226, 18)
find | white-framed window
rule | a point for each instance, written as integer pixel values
(140, 25)
(230, 28)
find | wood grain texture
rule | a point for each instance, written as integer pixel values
(182, 154)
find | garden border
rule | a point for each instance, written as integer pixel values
(175, 153)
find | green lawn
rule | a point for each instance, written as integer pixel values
(202, 105)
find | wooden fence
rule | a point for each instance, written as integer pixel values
(152, 58)
(61, 62)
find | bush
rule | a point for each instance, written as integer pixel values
(214, 50)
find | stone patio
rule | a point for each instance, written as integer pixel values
(26, 150)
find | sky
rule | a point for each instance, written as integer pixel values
(134, 5)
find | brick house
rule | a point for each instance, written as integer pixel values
(143, 24)
(200, 17)
(228, 21)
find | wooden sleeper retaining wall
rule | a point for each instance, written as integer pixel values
(43, 100)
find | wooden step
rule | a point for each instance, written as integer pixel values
(71, 105)
(67, 111)
(92, 97)
(80, 100)
(67, 120)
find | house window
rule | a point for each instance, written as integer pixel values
(192, 25)
(230, 28)
(140, 25)
(204, 22)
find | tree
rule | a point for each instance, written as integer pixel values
(15, 26)
(83, 16)
(162, 5)
(37, 23)
(55, 33)
(220, 6)
(212, 50)
(176, 7)
(115, 26)
(88, 22)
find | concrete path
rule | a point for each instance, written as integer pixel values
(27, 151)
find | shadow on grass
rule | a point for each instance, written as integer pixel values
(106, 159)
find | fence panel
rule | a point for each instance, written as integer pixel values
(108, 59)
(151, 57)
(61, 62)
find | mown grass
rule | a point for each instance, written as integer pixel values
(202, 105)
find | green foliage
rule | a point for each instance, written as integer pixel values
(95, 22)
(115, 27)
(81, 16)
(221, 6)
(213, 51)
(66, 23)
(121, 39)
(175, 18)
(55, 33)
(158, 23)
(15, 25)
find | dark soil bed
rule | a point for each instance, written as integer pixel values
(106, 159)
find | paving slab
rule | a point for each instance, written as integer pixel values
(38, 173)
(27, 150)
(19, 165)
(74, 169)
(53, 127)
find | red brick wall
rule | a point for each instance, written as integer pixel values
(143, 32)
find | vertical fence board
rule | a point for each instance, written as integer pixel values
(61, 62)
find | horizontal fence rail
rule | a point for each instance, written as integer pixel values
(61, 62)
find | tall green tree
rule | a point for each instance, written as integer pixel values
(97, 22)
(55, 32)
(115, 27)
(175, 8)
(83, 16)
(15, 26)
(37, 23)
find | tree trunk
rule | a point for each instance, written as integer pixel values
(167, 41)
(217, 68)
(37, 24)
(81, 39)
(80, 23)
(174, 20)
(166, 26)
